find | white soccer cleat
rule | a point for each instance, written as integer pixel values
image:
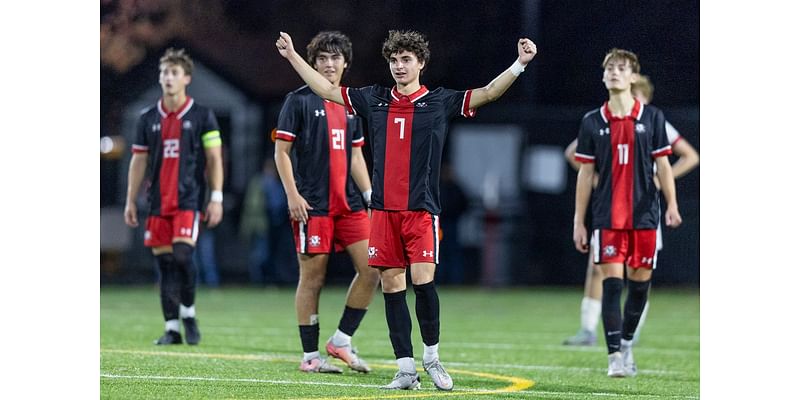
(616, 367)
(628, 364)
(441, 379)
(404, 381)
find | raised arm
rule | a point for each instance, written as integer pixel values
(491, 92)
(321, 86)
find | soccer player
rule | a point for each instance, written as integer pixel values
(178, 142)
(621, 142)
(326, 209)
(688, 159)
(408, 125)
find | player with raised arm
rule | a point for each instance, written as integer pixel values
(688, 159)
(178, 142)
(621, 142)
(326, 209)
(408, 125)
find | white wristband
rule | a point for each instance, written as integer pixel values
(367, 196)
(216, 196)
(516, 68)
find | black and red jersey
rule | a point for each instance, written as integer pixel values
(174, 142)
(407, 135)
(623, 151)
(322, 135)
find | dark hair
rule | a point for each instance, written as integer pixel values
(179, 57)
(619, 54)
(412, 41)
(332, 42)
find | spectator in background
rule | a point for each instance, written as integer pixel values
(206, 259)
(454, 205)
(254, 226)
(281, 260)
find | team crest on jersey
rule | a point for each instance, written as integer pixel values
(187, 124)
(156, 127)
(610, 251)
(314, 241)
(603, 131)
(319, 113)
(639, 128)
(373, 252)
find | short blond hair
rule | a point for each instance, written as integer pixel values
(178, 57)
(619, 54)
(643, 85)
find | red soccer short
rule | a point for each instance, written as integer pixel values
(398, 239)
(635, 248)
(162, 230)
(317, 235)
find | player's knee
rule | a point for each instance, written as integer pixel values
(182, 253)
(638, 288)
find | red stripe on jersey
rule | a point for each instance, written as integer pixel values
(396, 175)
(583, 159)
(337, 158)
(284, 135)
(622, 162)
(346, 97)
(465, 110)
(170, 163)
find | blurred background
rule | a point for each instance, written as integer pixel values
(508, 194)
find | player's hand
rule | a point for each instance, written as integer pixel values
(213, 213)
(673, 217)
(284, 45)
(298, 208)
(527, 50)
(130, 215)
(580, 239)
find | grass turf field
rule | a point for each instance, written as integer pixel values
(503, 344)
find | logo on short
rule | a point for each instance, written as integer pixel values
(639, 128)
(373, 252)
(186, 231)
(187, 124)
(427, 253)
(610, 251)
(319, 113)
(147, 235)
(314, 241)
(603, 131)
(647, 260)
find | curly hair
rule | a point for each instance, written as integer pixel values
(619, 54)
(332, 42)
(178, 57)
(412, 41)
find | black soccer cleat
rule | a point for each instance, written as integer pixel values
(191, 331)
(170, 337)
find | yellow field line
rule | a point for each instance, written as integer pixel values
(517, 384)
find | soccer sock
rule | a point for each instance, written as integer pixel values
(187, 270)
(310, 356)
(172, 325)
(590, 314)
(406, 364)
(340, 338)
(351, 318)
(428, 312)
(309, 337)
(612, 316)
(169, 286)
(399, 321)
(431, 353)
(186, 312)
(641, 320)
(634, 304)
